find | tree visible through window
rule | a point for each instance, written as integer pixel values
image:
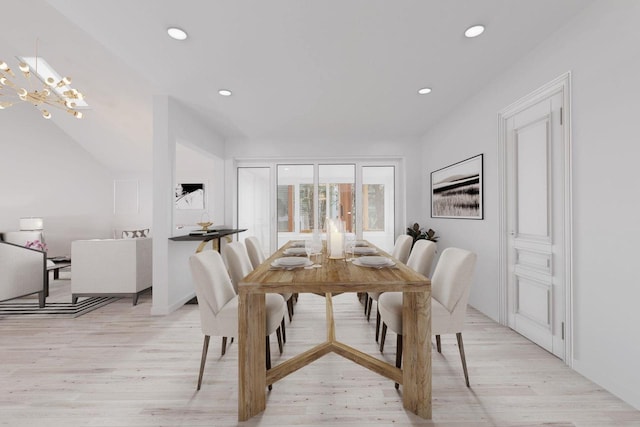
(373, 207)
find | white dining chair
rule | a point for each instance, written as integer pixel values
(257, 257)
(239, 266)
(401, 251)
(450, 287)
(218, 304)
(420, 261)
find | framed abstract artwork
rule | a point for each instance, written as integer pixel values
(456, 190)
(190, 195)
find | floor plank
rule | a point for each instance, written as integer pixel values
(119, 366)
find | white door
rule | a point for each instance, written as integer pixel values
(535, 222)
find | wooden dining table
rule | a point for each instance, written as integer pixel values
(334, 276)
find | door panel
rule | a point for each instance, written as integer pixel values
(531, 150)
(534, 220)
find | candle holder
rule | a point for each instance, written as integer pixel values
(335, 238)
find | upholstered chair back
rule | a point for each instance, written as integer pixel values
(421, 257)
(402, 248)
(450, 286)
(238, 262)
(254, 251)
(213, 287)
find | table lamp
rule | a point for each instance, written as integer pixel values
(31, 224)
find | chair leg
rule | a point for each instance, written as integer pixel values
(438, 346)
(377, 322)
(464, 360)
(224, 345)
(366, 302)
(290, 308)
(279, 335)
(205, 347)
(284, 331)
(384, 334)
(268, 358)
(398, 355)
(369, 304)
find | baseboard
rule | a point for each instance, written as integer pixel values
(164, 310)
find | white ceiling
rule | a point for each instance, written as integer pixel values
(298, 69)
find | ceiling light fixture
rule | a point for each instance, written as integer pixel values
(424, 90)
(474, 31)
(177, 33)
(224, 92)
(55, 91)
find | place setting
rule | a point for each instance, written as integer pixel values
(290, 263)
(295, 251)
(374, 262)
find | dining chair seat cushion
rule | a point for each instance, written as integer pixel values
(390, 306)
(227, 318)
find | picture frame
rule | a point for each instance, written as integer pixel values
(457, 190)
(190, 195)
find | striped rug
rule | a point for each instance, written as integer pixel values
(54, 309)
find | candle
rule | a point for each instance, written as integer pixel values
(336, 240)
(336, 244)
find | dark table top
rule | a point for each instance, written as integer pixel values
(215, 233)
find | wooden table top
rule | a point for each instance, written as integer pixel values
(335, 275)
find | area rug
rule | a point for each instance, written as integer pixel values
(54, 309)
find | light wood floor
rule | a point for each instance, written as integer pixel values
(119, 366)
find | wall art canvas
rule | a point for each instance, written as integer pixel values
(190, 196)
(456, 190)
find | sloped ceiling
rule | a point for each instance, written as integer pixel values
(297, 69)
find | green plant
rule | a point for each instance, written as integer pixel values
(418, 233)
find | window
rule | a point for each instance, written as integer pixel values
(301, 196)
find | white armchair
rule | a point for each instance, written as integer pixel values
(111, 267)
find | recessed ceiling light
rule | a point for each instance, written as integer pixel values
(424, 90)
(176, 33)
(224, 92)
(474, 31)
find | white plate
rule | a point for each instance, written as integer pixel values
(295, 251)
(374, 261)
(361, 243)
(364, 251)
(297, 244)
(289, 261)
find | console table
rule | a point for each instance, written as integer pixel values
(212, 236)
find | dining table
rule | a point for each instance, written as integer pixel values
(329, 277)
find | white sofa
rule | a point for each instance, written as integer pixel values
(111, 267)
(23, 272)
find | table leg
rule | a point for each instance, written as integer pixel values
(416, 372)
(251, 355)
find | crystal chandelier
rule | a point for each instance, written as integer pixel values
(48, 89)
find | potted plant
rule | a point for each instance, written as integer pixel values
(418, 233)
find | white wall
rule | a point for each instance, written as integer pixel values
(39, 177)
(172, 123)
(194, 166)
(601, 48)
(141, 218)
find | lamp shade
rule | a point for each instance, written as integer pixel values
(31, 223)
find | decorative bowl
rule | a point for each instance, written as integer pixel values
(205, 225)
